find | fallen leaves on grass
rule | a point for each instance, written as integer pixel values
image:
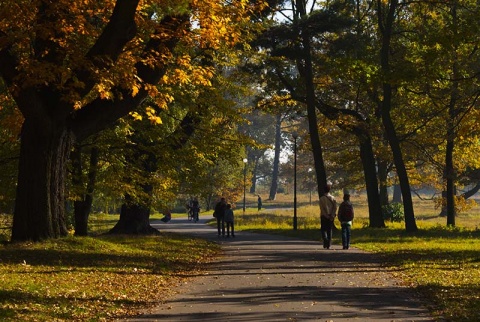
(95, 278)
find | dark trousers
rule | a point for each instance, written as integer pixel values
(326, 230)
(346, 232)
(230, 226)
(221, 225)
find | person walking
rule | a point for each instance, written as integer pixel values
(229, 220)
(328, 209)
(219, 213)
(345, 216)
(259, 202)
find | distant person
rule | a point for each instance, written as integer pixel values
(219, 213)
(259, 202)
(328, 209)
(345, 216)
(167, 216)
(229, 220)
(195, 209)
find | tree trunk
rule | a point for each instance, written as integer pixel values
(386, 22)
(410, 223)
(40, 201)
(397, 193)
(450, 175)
(253, 186)
(374, 205)
(134, 220)
(83, 206)
(382, 177)
(306, 71)
(276, 159)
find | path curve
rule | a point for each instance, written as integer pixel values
(275, 278)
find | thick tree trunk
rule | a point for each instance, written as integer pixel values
(276, 159)
(134, 220)
(368, 161)
(40, 201)
(410, 222)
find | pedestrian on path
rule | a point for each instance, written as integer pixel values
(219, 213)
(229, 220)
(345, 216)
(259, 202)
(328, 209)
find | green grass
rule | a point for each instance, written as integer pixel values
(94, 279)
(442, 263)
(106, 277)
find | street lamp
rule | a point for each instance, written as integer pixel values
(310, 184)
(295, 136)
(244, 182)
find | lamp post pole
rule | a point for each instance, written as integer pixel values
(295, 136)
(244, 183)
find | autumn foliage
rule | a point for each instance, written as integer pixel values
(75, 67)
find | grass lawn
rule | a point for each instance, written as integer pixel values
(106, 277)
(442, 263)
(95, 278)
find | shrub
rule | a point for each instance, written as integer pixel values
(393, 212)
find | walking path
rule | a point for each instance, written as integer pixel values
(276, 278)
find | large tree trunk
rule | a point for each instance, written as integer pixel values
(134, 219)
(410, 223)
(368, 161)
(135, 213)
(40, 201)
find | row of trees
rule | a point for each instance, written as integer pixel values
(394, 84)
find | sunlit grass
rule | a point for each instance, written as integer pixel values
(97, 279)
(105, 277)
(443, 263)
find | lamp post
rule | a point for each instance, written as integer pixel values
(310, 184)
(295, 136)
(244, 183)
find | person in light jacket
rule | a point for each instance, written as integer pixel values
(328, 209)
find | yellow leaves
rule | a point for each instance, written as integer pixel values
(104, 89)
(135, 90)
(136, 116)
(151, 114)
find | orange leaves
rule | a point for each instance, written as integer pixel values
(63, 33)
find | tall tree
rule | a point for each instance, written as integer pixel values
(75, 68)
(386, 15)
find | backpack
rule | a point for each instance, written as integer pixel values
(347, 214)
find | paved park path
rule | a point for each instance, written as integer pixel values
(276, 278)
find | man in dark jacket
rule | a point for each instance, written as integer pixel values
(220, 215)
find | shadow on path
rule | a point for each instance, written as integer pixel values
(275, 278)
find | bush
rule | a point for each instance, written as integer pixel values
(393, 212)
